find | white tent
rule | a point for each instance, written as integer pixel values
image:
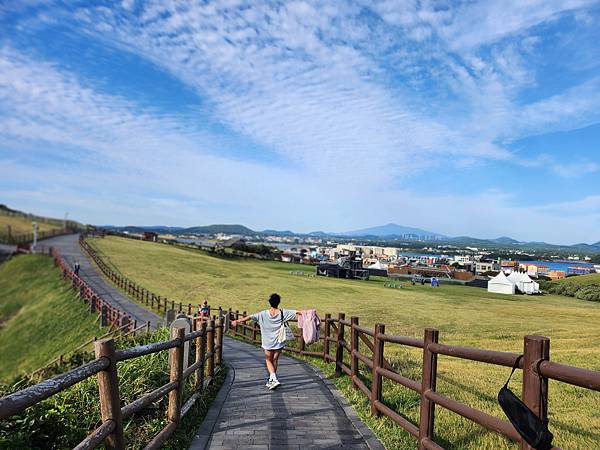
(524, 283)
(377, 266)
(501, 285)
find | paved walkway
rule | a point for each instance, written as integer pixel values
(69, 249)
(305, 412)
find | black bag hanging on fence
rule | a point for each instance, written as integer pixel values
(531, 428)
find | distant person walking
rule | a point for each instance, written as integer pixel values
(270, 321)
(76, 268)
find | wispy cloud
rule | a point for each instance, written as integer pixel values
(387, 90)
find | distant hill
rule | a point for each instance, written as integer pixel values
(391, 230)
(220, 228)
(505, 240)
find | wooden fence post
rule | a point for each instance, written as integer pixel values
(148, 326)
(108, 388)
(428, 383)
(93, 304)
(237, 316)
(535, 387)
(104, 316)
(189, 309)
(339, 351)
(200, 354)
(326, 334)
(244, 326)
(353, 349)
(180, 307)
(376, 379)
(176, 374)
(210, 338)
(220, 327)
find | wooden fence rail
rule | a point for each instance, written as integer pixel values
(105, 366)
(108, 314)
(537, 370)
(139, 293)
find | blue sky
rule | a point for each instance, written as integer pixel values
(466, 118)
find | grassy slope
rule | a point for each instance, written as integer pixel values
(21, 225)
(465, 316)
(582, 280)
(40, 315)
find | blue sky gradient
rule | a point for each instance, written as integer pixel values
(466, 118)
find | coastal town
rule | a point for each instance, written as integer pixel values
(420, 259)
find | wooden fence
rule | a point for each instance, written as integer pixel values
(537, 370)
(108, 314)
(208, 341)
(131, 288)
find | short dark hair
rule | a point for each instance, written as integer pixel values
(274, 300)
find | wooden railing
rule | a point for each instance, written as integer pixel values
(141, 294)
(109, 314)
(537, 370)
(208, 340)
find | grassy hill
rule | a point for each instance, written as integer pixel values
(581, 280)
(22, 224)
(40, 316)
(464, 316)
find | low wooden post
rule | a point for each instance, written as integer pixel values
(189, 309)
(428, 383)
(176, 374)
(108, 388)
(210, 340)
(152, 301)
(219, 355)
(339, 351)
(148, 326)
(200, 353)
(354, 346)
(173, 305)
(244, 326)
(254, 331)
(326, 334)
(237, 316)
(376, 379)
(93, 304)
(104, 316)
(180, 307)
(535, 387)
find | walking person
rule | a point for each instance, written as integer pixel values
(76, 268)
(270, 321)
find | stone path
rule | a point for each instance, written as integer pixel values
(69, 249)
(305, 412)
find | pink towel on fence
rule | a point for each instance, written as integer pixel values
(309, 322)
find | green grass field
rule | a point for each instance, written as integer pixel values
(40, 316)
(464, 316)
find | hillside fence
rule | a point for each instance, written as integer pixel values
(134, 290)
(342, 337)
(108, 314)
(208, 357)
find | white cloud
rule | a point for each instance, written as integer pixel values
(343, 100)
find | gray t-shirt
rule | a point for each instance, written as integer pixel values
(269, 327)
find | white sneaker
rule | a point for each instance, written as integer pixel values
(273, 384)
(268, 383)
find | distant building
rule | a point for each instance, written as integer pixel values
(150, 236)
(486, 266)
(557, 274)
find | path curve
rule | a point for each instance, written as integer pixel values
(69, 249)
(305, 412)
